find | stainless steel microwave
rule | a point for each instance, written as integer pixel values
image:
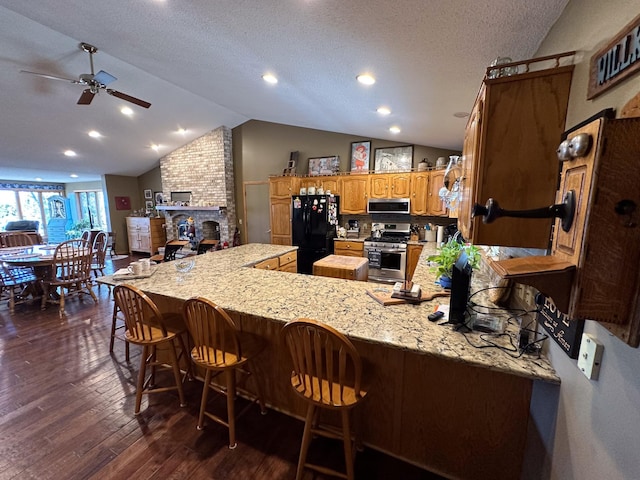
(389, 205)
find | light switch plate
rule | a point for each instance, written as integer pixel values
(590, 356)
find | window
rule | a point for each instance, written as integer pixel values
(91, 207)
(23, 201)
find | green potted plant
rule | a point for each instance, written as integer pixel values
(447, 256)
(77, 229)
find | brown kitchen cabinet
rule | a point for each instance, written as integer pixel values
(509, 152)
(413, 255)
(284, 263)
(326, 183)
(280, 191)
(389, 185)
(425, 189)
(348, 248)
(145, 234)
(354, 191)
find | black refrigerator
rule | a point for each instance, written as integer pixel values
(314, 220)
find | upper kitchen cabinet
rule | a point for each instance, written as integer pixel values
(390, 185)
(283, 187)
(425, 188)
(354, 190)
(509, 151)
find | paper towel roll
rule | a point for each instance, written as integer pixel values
(440, 235)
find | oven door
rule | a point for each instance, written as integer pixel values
(386, 265)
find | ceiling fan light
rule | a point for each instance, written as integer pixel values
(383, 111)
(94, 134)
(70, 153)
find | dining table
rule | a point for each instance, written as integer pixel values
(37, 257)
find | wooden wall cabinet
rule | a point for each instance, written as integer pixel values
(145, 234)
(425, 188)
(509, 153)
(354, 193)
(593, 271)
(390, 185)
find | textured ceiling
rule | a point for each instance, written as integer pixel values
(200, 63)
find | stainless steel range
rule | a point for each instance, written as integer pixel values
(386, 250)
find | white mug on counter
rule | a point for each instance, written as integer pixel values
(135, 268)
(145, 263)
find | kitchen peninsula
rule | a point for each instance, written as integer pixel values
(434, 399)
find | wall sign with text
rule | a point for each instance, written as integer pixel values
(565, 332)
(618, 60)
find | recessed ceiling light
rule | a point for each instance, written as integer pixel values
(155, 147)
(38, 179)
(181, 131)
(395, 129)
(383, 111)
(269, 78)
(126, 111)
(73, 175)
(461, 114)
(70, 153)
(366, 79)
(94, 134)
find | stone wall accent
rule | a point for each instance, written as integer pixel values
(203, 167)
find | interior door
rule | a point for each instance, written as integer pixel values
(257, 212)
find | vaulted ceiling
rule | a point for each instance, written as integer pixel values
(200, 62)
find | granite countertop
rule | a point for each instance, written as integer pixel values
(225, 277)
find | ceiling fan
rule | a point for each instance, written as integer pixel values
(94, 81)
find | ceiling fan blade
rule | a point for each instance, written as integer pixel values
(50, 77)
(104, 78)
(86, 97)
(128, 98)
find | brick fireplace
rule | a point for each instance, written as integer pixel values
(203, 167)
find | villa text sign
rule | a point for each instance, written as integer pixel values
(618, 60)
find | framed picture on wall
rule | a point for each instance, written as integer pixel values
(360, 155)
(394, 159)
(123, 203)
(148, 195)
(158, 197)
(324, 166)
(149, 205)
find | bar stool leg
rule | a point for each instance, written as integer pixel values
(141, 375)
(306, 440)
(231, 410)
(176, 373)
(346, 438)
(203, 402)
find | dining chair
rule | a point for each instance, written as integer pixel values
(70, 274)
(17, 239)
(327, 374)
(221, 348)
(14, 282)
(148, 327)
(99, 254)
(170, 249)
(205, 245)
(111, 243)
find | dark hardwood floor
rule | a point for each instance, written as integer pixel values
(66, 412)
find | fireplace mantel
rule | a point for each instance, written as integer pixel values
(169, 208)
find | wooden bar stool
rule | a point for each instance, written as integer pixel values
(220, 348)
(146, 326)
(327, 374)
(117, 323)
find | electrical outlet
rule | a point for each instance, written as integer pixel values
(590, 356)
